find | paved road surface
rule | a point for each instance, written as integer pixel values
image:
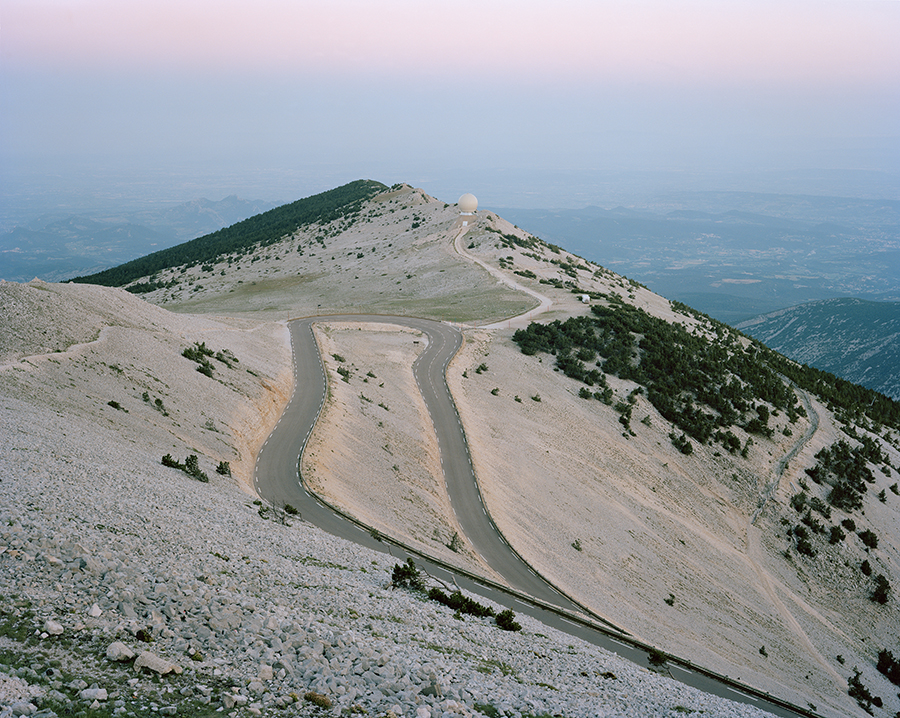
(276, 477)
(277, 480)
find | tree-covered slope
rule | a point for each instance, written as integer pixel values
(262, 229)
(703, 384)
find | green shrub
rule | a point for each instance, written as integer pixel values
(805, 547)
(656, 657)
(167, 460)
(406, 575)
(224, 468)
(869, 538)
(859, 692)
(882, 592)
(507, 621)
(192, 468)
(460, 603)
(682, 443)
(455, 542)
(889, 666)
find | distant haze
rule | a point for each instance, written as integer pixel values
(522, 103)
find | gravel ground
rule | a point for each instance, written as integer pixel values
(252, 611)
(130, 588)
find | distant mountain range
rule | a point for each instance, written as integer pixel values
(851, 338)
(54, 248)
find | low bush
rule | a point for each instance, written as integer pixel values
(458, 602)
(889, 666)
(507, 621)
(882, 591)
(860, 693)
(317, 699)
(869, 538)
(682, 443)
(167, 460)
(455, 542)
(406, 575)
(191, 467)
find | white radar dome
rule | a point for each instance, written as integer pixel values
(468, 203)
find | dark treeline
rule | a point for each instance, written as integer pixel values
(702, 385)
(260, 230)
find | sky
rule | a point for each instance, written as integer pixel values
(524, 103)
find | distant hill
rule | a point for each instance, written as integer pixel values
(851, 338)
(200, 216)
(56, 247)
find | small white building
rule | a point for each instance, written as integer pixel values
(585, 298)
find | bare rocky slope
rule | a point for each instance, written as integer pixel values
(689, 552)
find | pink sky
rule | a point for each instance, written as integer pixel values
(403, 89)
(723, 41)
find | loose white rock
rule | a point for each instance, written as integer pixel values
(94, 694)
(155, 663)
(118, 651)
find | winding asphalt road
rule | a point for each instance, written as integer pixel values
(277, 480)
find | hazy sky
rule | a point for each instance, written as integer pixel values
(300, 95)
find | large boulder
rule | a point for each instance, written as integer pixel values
(154, 663)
